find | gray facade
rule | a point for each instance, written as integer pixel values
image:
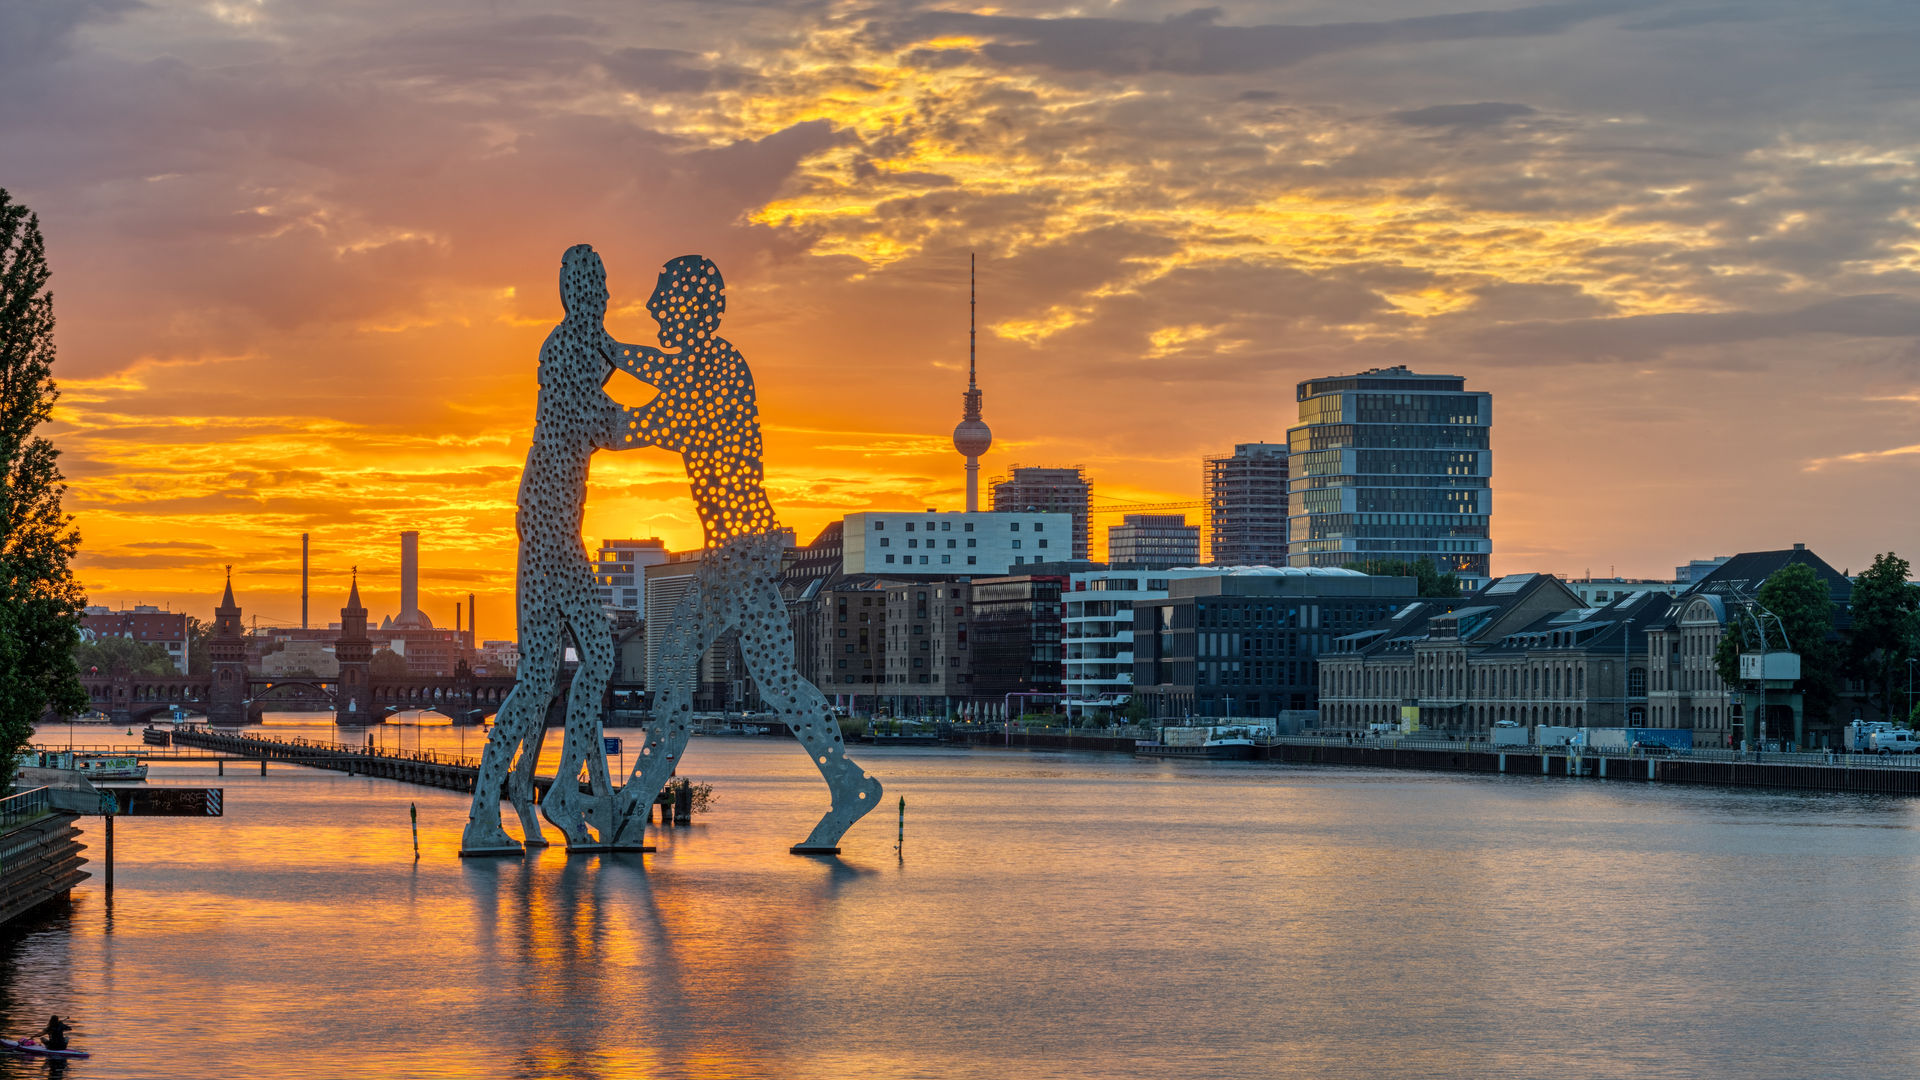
(1248, 643)
(1246, 505)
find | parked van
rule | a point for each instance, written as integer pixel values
(1507, 733)
(1897, 741)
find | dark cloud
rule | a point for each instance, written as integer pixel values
(1196, 44)
(32, 31)
(669, 71)
(1478, 115)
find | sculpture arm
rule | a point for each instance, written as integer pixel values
(644, 362)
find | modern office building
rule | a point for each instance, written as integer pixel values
(141, 623)
(1697, 569)
(1097, 633)
(1153, 542)
(1048, 491)
(951, 544)
(1016, 643)
(1391, 464)
(1245, 643)
(619, 569)
(1246, 505)
(1598, 592)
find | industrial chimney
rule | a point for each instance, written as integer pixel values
(410, 579)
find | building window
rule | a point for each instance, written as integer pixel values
(1637, 682)
(889, 558)
(1043, 543)
(886, 541)
(946, 526)
(971, 559)
(1039, 526)
(909, 526)
(971, 542)
(966, 526)
(1019, 560)
(946, 558)
(879, 525)
(1013, 527)
(923, 560)
(1016, 545)
(953, 543)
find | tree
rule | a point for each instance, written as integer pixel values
(138, 657)
(1433, 584)
(199, 635)
(1885, 631)
(1804, 605)
(40, 602)
(388, 664)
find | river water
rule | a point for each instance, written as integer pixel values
(1051, 915)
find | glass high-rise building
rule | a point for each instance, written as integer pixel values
(1391, 464)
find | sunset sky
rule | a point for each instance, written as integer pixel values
(304, 255)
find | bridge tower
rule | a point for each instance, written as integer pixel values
(353, 703)
(227, 654)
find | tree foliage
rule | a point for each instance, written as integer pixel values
(1885, 631)
(1801, 601)
(1433, 583)
(40, 602)
(388, 664)
(199, 637)
(138, 657)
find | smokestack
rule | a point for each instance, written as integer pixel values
(409, 576)
(303, 581)
(457, 624)
(473, 616)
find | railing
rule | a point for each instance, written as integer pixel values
(1769, 757)
(24, 807)
(327, 746)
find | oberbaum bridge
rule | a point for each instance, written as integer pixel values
(230, 694)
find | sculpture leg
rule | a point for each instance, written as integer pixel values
(766, 640)
(570, 811)
(520, 783)
(520, 717)
(670, 723)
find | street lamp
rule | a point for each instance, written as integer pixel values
(1910, 662)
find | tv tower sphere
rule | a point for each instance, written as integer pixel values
(972, 438)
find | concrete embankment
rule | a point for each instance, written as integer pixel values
(1845, 773)
(40, 858)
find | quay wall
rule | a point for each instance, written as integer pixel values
(40, 864)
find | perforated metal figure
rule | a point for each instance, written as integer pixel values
(706, 412)
(556, 584)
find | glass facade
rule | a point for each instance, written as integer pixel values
(1390, 464)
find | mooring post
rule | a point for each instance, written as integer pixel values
(109, 852)
(223, 766)
(683, 804)
(900, 844)
(263, 765)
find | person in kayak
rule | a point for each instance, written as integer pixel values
(54, 1035)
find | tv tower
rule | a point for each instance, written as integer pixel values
(971, 437)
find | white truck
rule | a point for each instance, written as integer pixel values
(1856, 737)
(1547, 735)
(1893, 741)
(1507, 733)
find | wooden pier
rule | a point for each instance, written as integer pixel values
(424, 767)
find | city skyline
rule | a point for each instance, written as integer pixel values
(283, 309)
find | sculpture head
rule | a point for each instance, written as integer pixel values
(688, 301)
(583, 283)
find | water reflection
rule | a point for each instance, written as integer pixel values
(1051, 916)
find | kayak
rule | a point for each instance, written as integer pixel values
(32, 1046)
